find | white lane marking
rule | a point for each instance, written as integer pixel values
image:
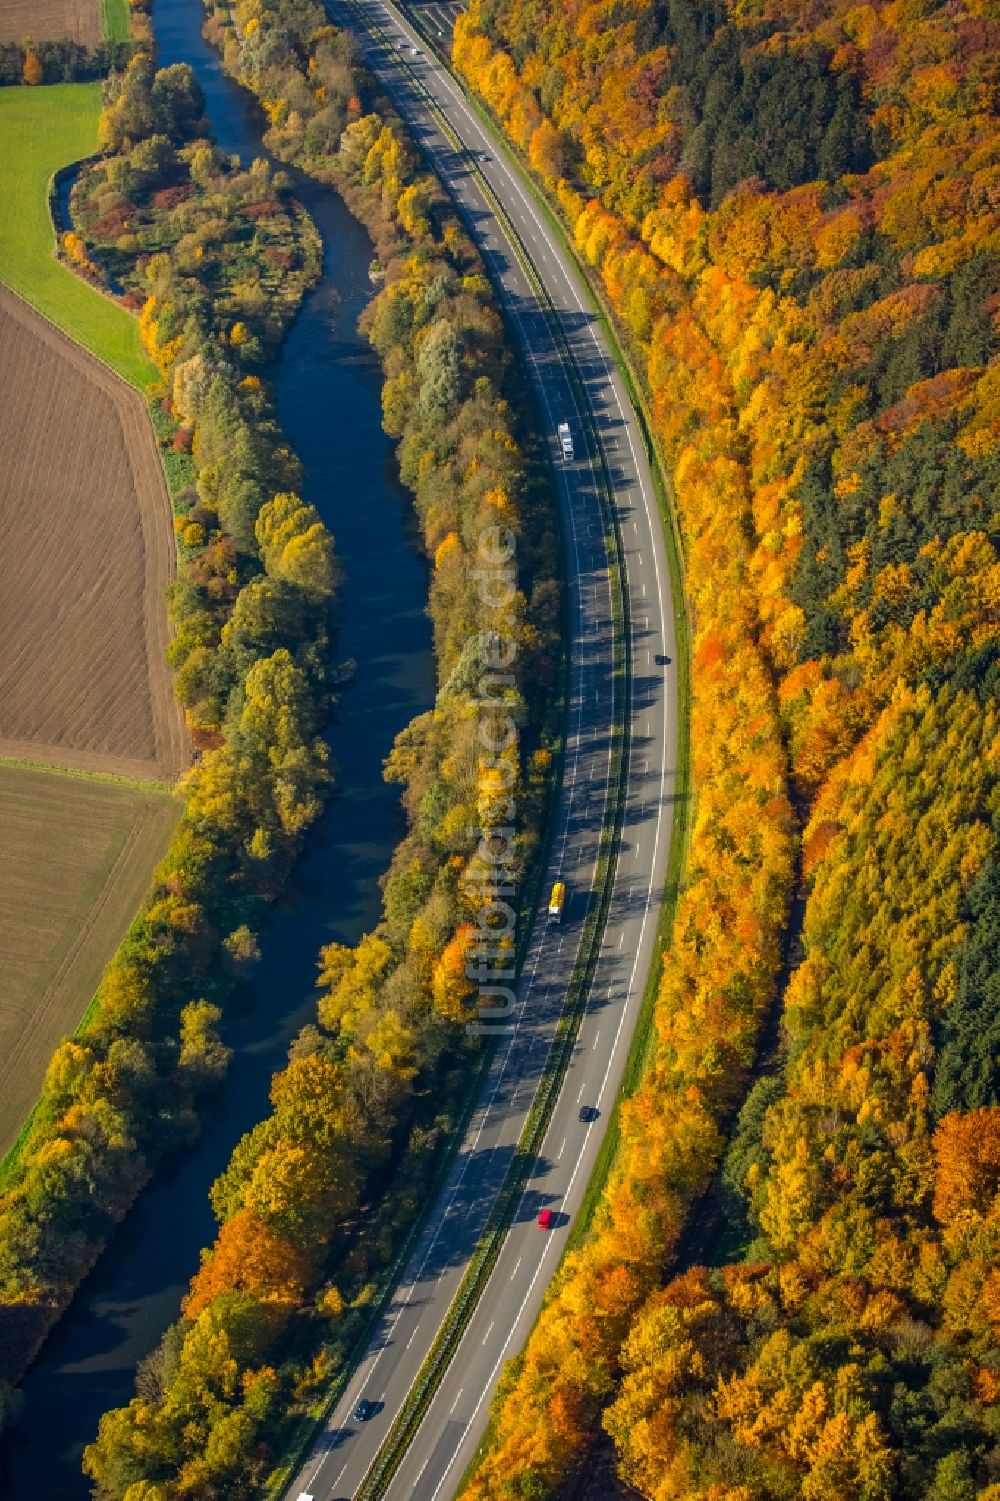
(417, 1277)
(451, 87)
(516, 1265)
(487, 1334)
(596, 1038)
(568, 805)
(413, 1336)
(456, 1402)
(547, 1249)
(558, 1158)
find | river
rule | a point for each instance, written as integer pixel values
(327, 387)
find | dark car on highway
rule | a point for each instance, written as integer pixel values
(364, 1410)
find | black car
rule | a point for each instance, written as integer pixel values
(588, 1113)
(364, 1410)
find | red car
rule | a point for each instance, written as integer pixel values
(545, 1219)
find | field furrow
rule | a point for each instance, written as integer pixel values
(77, 858)
(85, 558)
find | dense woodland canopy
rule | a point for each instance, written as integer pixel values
(794, 214)
(60, 61)
(251, 602)
(315, 1200)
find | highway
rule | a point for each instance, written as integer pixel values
(479, 175)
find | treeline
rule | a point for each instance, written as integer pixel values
(65, 61)
(61, 61)
(316, 1199)
(792, 217)
(852, 1352)
(251, 604)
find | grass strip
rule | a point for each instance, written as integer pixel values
(115, 20)
(298, 1446)
(80, 774)
(302, 1440)
(490, 1244)
(304, 1437)
(43, 129)
(667, 507)
(643, 1034)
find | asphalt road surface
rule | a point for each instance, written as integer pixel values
(439, 17)
(453, 1425)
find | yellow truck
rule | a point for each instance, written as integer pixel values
(557, 900)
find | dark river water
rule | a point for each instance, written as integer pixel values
(328, 402)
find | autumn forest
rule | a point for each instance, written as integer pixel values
(792, 1283)
(788, 1285)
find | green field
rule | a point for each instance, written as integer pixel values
(78, 852)
(115, 20)
(43, 129)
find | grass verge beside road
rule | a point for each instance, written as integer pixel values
(666, 506)
(490, 1244)
(43, 129)
(643, 1037)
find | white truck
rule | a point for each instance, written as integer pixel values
(565, 439)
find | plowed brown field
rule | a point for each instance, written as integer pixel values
(86, 553)
(77, 855)
(50, 20)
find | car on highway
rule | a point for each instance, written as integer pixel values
(545, 1219)
(589, 1113)
(557, 901)
(364, 1410)
(414, 51)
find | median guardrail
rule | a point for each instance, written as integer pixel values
(483, 1259)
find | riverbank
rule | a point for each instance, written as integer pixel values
(43, 129)
(325, 382)
(285, 1287)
